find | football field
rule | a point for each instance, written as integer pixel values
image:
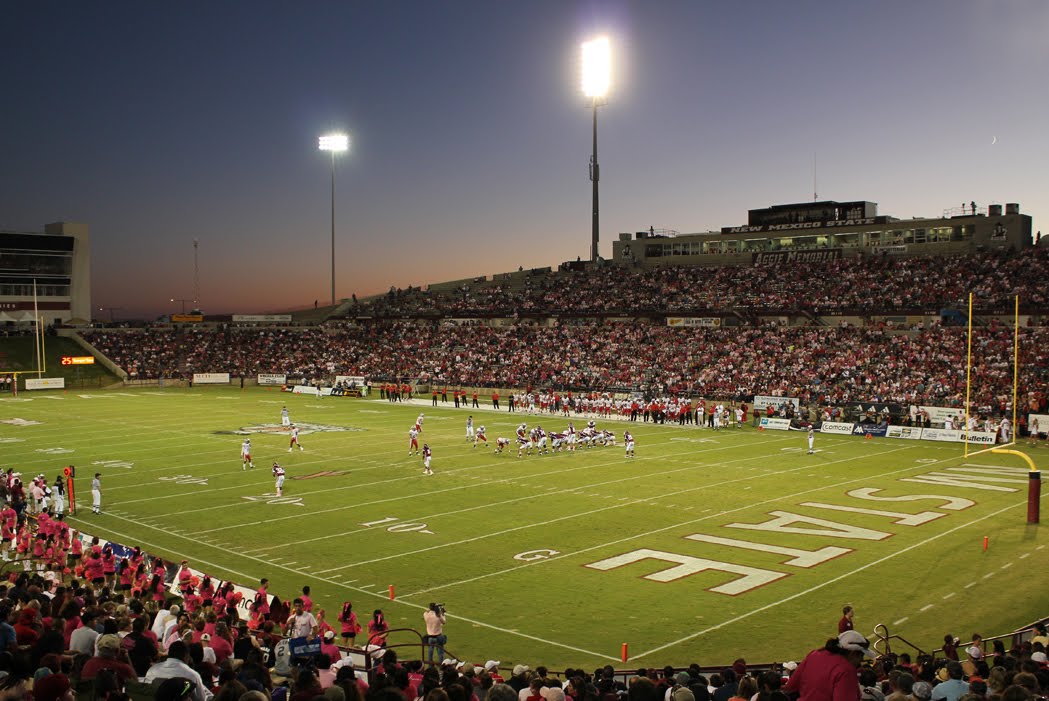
(705, 547)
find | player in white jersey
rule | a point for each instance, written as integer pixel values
(470, 428)
(294, 442)
(413, 441)
(245, 455)
(278, 474)
(540, 435)
(285, 420)
(739, 418)
(427, 454)
(419, 422)
(1006, 428)
(812, 439)
(628, 440)
(522, 439)
(501, 444)
(608, 438)
(570, 436)
(1033, 432)
(480, 437)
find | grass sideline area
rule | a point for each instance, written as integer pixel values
(18, 354)
(705, 547)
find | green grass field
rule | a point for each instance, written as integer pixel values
(557, 559)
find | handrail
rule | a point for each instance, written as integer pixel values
(881, 631)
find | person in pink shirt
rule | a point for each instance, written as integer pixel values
(329, 648)
(262, 599)
(184, 577)
(221, 643)
(307, 602)
(350, 626)
(109, 566)
(76, 549)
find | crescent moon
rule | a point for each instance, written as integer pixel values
(994, 140)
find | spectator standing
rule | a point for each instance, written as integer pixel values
(435, 638)
(847, 612)
(829, 673)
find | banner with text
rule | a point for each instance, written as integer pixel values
(909, 432)
(282, 318)
(939, 414)
(211, 378)
(46, 383)
(775, 424)
(836, 427)
(762, 401)
(273, 379)
(705, 322)
(875, 430)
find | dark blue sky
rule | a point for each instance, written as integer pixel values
(157, 123)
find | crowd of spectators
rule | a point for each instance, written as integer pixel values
(60, 635)
(818, 364)
(863, 285)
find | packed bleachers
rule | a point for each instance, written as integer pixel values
(863, 285)
(818, 364)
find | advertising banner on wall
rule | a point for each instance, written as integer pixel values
(762, 401)
(909, 432)
(46, 383)
(211, 378)
(775, 424)
(273, 379)
(837, 428)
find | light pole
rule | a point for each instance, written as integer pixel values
(179, 299)
(334, 143)
(597, 62)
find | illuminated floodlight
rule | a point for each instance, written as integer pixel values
(597, 67)
(334, 142)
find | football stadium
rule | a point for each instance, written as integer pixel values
(797, 457)
(463, 446)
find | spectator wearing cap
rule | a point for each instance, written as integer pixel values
(53, 687)
(519, 678)
(110, 656)
(953, 686)
(328, 646)
(922, 691)
(492, 668)
(829, 673)
(177, 665)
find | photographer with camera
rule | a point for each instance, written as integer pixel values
(435, 637)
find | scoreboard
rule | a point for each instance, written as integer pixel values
(78, 360)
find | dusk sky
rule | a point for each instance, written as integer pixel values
(158, 123)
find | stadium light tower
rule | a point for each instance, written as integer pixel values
(333, 143)
(597, 71)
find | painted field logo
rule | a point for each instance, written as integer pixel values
(325, 473)
(278, 430)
